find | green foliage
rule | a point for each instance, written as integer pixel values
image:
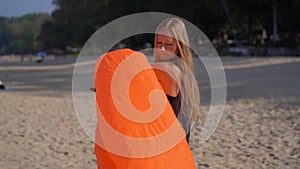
(19, 35)
(252, 17)
(74, 21)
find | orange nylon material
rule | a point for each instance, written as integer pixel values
(140, 88)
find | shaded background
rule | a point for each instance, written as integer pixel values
(258, 28)
(260, 125)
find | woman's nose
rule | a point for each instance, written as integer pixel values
(163, 48)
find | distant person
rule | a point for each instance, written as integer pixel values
(42, 56)
(22, 57)
(2, 87)
(173, 55)
(30, 57)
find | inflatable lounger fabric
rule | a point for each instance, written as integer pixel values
(136, 127)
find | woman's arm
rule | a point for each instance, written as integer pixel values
(168, 75)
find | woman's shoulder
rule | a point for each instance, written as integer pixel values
(168, 67)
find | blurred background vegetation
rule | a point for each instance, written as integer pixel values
(227, 23)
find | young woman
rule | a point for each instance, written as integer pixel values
(172, 55)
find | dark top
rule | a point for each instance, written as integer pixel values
(176, 104)
(2, 86)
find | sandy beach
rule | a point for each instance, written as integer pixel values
(260, 127)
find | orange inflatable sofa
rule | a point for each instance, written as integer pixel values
(137, 128)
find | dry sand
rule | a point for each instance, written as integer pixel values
(259, 129)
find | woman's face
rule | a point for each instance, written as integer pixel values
(166, 44)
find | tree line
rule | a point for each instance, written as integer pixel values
(225, 22)
(19, 35)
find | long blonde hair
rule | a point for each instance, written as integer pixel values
(177, 28)
(189, 88)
